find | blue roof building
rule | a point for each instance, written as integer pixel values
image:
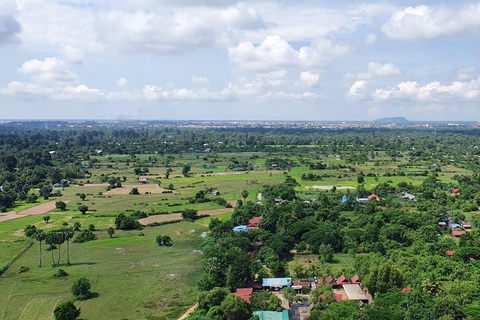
(240, 228)
(272, 315)
(277, 282)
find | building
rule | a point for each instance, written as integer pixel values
(450, 253)
(355, 292)
(373, 196)
(240, 228)
(276, 283)
(467, 226)
(331, 281)
(457, 234)
(253, 223)
(343, 280)
(143, 181)
(355, 280)
(272, 315)
(245, 294)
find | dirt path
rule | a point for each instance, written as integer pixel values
(142, 188)
(178, 216)
(186, 314)
(39, 209)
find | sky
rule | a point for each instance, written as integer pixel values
(240, 60)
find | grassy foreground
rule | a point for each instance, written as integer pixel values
(131, 276)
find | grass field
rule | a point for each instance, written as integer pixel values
(132, 277)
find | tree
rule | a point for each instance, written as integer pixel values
(81, 289)
(289, 293)
(167, 174)
(45, 191)
(158, 240)
(325, 253)
(40, 236)
(110, 231)
(60, 205)
(235, 308)
(361, 177)
(166, 240)
(82, 196)
(134, 191)
(245, 195)
(66, 311)
(46, 219)
(189, 214)
(84, 236)
(68, 235)
(77, 226)
(91, 227)
(30, 231)
(83, 209)
(298, 269)
(186, 169)
(264, 300)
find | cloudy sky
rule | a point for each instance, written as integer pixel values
(247, 60)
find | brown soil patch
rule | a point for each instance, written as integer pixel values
(95, 185)
(8, 216)
(142, 188)
(40, 209)
(233, 203)
(178, 216)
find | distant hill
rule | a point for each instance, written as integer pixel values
(392, 120)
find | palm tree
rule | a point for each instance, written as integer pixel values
(68, 235)
(40, 236)
(59, 239)
(50, 239)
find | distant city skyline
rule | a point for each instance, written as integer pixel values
(240, 60)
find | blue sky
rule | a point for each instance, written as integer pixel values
(247, 60)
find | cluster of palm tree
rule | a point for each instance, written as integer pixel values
(54, 238)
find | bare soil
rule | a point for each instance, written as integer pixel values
(142, 188)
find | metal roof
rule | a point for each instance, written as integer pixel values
(276, 282)
(354, 292)
(272, 315)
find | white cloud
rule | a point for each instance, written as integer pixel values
(376, 70)
(168, 32)
(200, 80)
(423, 22)
(309, 78)
(371, 38)
(359, 91)
(122, 82)
(72, 54)
(9, 26)
(48, 71)
(467, 74)
(281, 95)
(275, 53)
(413, 91)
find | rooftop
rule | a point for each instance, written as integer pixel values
(277, 282)
(354, 292)
(272, 315)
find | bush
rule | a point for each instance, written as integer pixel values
(84, 236)
(134, 191)
(3, 209)
(124, 222)
(81, 289)
(91, 227)
(23, 269)
(66, 311)
(60, 273)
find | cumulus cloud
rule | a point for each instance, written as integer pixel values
(122, 82)
(424, 22)
(9, 26)
(275, 53)
(174, 32)
(309, 78)
(376, 70)
(72, 54)
(48, 71)
(413, 91)
(281, 95)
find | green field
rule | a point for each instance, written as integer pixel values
(132, 277)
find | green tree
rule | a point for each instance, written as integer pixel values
(46, 219)
(360, 177)
(30, 231)
(235, 308)
(265, 301)
(298, 269)
(77, 226)
(167, 174)
(158, 239)
(166, 240)
(245, 195)
(82, 196)
(60, 205)
(83, 209)
(289, 294)
(40, 236)
(110, 231)
(186, 169)
(45, 191)
(81, 289)
(189, 214)
(66, 311)
(134, 191)
(325, 253)
(91, 227)
(68, 235)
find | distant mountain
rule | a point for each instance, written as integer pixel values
(392, 120)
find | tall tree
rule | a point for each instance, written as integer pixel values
(68, 235)
(245, 195)
(40, 236)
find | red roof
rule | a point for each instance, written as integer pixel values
(467, 224)
(373, 196)
(343, 280)
(320, 281)
(300, 283)
(253, 222)
(244, 293)
(355, 280)
(456, 191)
(405, 289)
(450, 252)
(331, 281)
(339, 297)
(457, 233)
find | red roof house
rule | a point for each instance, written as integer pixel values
(456, 191)
(405, 289)
(331, 281)
(244, 293)
(373, 196)
(253, 223)
(450, 252)
(466, 225)
(457, 234)
(355, 280)
(339, 297)
(343, 280)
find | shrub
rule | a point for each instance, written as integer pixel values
(81, 289)
(91, 227)
(3, 209)
(84, 236)
(23, 269)
(66, 311)
(60, 273)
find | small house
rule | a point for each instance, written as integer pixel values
(355, 292)
(450, 253)
(143, 181)
(245, 294)
(356, 280)
(456, 192)
(331, 281)
(467, 226)
(253, 223)
(343, 280)
(276, 283)
(373, 196)
(457, 234)
(406, 289)
(240, 228)
(215, 193)
(272, 315)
